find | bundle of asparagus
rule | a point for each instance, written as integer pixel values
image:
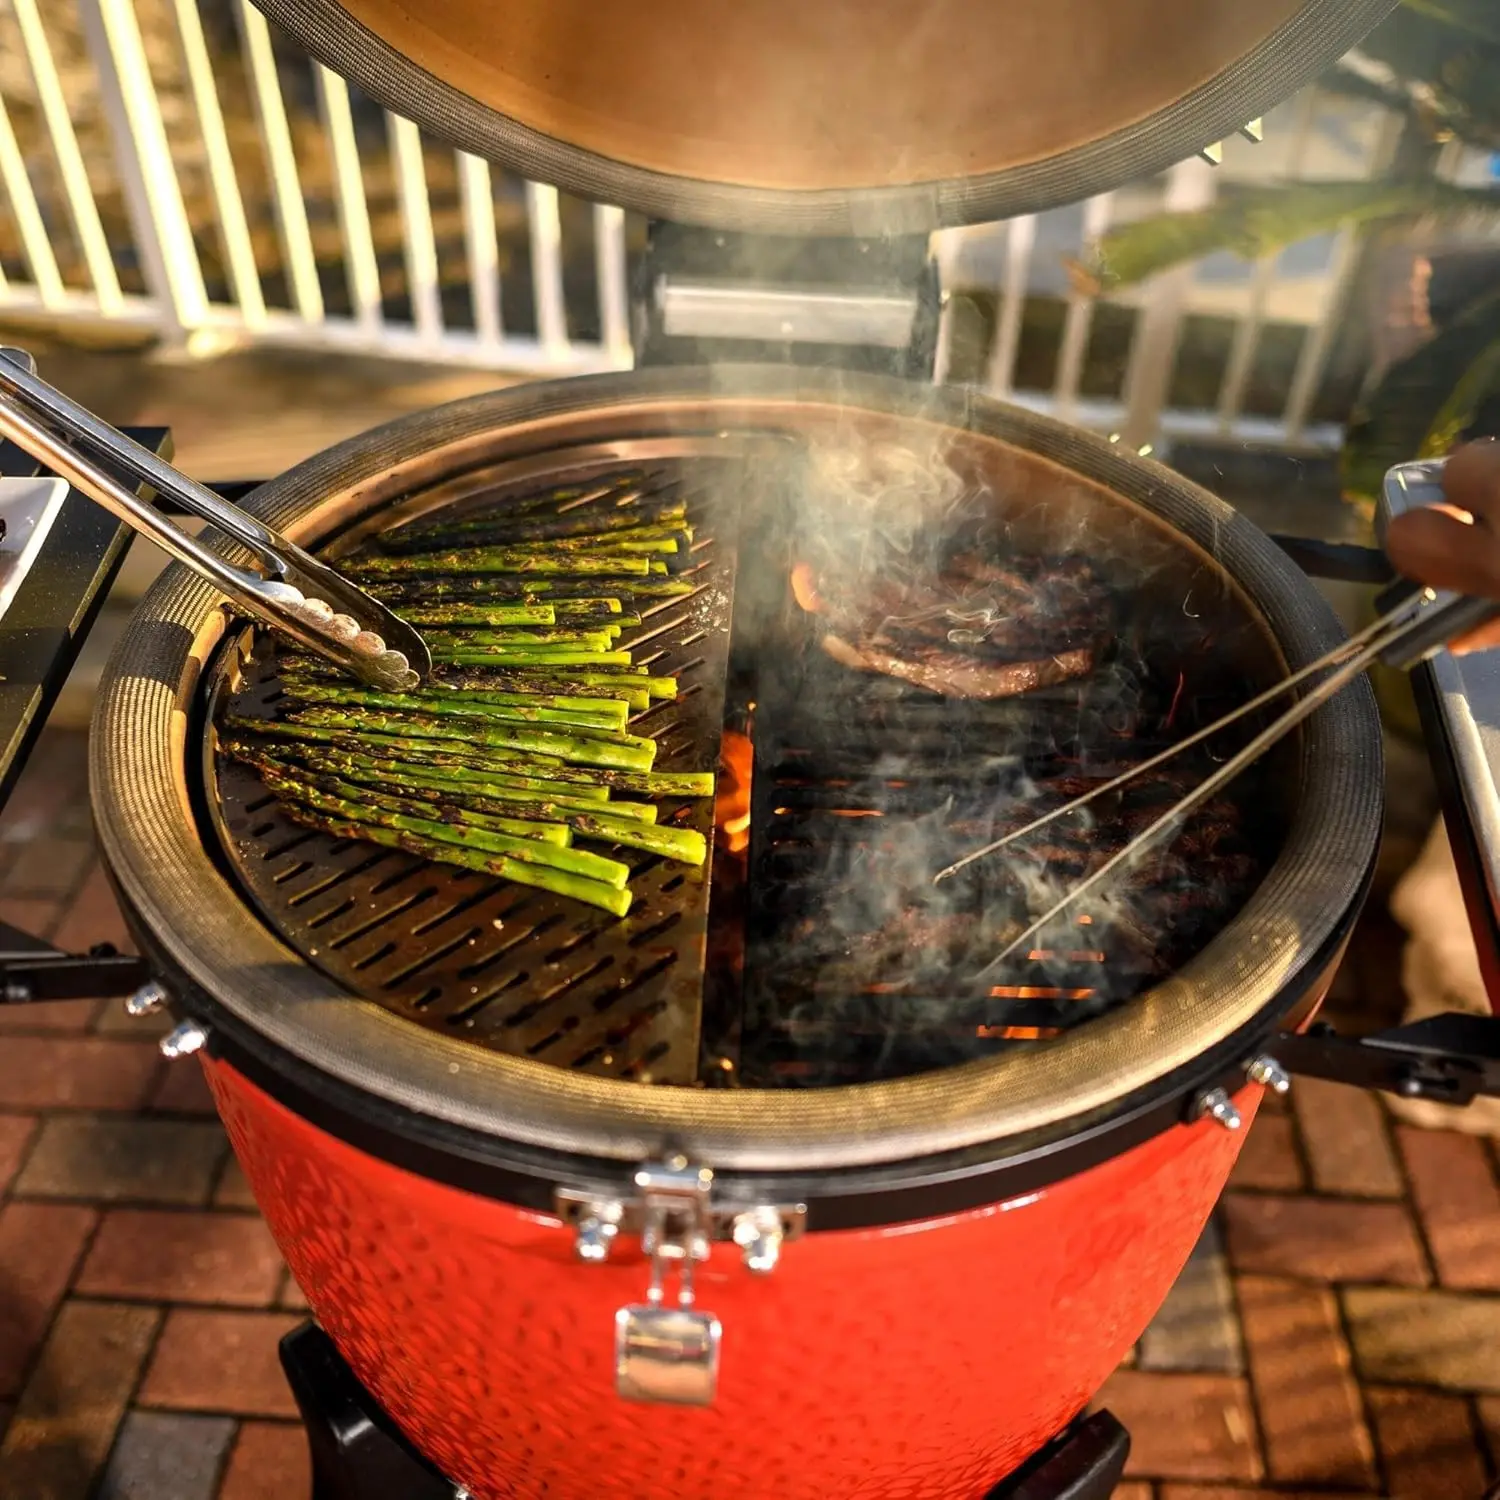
(519, 745)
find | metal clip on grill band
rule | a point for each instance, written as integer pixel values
(298, 595)
(666, 1353)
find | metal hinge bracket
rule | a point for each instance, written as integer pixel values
(1452, 1058)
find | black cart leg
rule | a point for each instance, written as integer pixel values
(356, 1453)
(1084, 1462)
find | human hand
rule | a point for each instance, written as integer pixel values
(1457, 545)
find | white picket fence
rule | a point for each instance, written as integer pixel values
(211, 187)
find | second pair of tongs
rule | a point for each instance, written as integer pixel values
(1415, 623)
(296, 594)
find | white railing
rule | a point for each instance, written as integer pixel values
(1313, 137)
(172, 165)
(278, 241)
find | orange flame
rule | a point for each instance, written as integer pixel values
(732, 796)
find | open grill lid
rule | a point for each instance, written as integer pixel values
(832, 117)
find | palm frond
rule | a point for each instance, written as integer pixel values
(1388, 92)
(1255, 221)
(1454, 69)
(1477, 17)
(1426, 401)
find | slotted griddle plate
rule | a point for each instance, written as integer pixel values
(520, 970)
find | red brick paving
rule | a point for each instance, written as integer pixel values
(1488, 1410)
(65, 1072)
(1234, 1492)
(183, 1091)
(1186, 1426)
(1323, 1238)
(156, 1255)
(207, 1360)
(75, 1399)
(1453, 1183)
(16, 1132)
(1429, 1444)
(1312, 1424)
(93, 917)
(40, 1244)
(1268, 1159)
(269, 1462)
(1344, 1135)
(135, 1275)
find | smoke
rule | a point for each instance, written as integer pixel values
(857, 965)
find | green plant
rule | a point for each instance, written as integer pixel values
(1436, 63)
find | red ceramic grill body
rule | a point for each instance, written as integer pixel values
(911, 1360)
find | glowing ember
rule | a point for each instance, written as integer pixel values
(1015, 1033)
(732, 797)
(805, 589)
(837, 812)
(1035, 992)
(1176, 699)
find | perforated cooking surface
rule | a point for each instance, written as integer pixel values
(520, 970)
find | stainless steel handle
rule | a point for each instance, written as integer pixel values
(302, 597)
(1438, 622)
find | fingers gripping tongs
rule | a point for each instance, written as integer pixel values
(294, 594)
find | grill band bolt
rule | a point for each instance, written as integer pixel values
(1269, 1073)
(146, 1001)
(596, 1232)
(1217, 1105)
(183, 1039)
(758, 1233)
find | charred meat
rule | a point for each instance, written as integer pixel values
(977, 629)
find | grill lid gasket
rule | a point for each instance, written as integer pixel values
(143, 800)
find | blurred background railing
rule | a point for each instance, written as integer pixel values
(173, 168)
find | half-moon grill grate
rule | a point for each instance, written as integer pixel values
(503, 966)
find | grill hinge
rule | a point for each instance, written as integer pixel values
(668, 1352)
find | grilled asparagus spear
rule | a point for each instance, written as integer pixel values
(518, 744)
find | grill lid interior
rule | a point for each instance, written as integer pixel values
(864, 116)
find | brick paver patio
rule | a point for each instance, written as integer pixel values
(1337, 1332)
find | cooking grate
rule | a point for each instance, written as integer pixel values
(856, 966)
(830, 956)
(503, 966)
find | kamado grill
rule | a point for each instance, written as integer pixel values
(778, 1183)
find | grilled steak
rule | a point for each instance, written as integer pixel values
(977, 630)
(956, 675)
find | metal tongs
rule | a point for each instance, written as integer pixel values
(1413, 625)
(296, 595)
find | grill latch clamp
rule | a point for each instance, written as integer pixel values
(666, 1351)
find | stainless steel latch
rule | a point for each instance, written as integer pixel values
(666, 1351)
